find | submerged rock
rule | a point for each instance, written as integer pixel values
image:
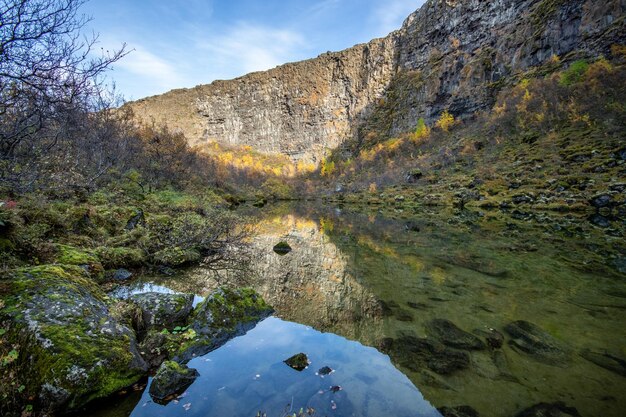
(557, 409)
(606, 360)
(414, 353)
(164, 310)
(171, 379)
(460, 411)
(532, 340)
(61, 325)
(299, 362)
(494, 338)
(282, 248)
(450, 335)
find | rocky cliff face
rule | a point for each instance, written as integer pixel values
(450, 54)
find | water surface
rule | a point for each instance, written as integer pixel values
(380, 279)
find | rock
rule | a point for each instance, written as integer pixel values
(414, 353)
(153, 348)
(532, 340)
(163, 310)
(299, 362)
(557, 409)
(412, 227)
(325, 371)
(460, 411)
(224, 314)
(600, 221)
(494, 338)
(137, 220)
(601, 200)
(282, 248)
(122, 274)
(413, 176)
(171, 379)
(522, 199)
(450, 335)
(606, 361)
(62, 325)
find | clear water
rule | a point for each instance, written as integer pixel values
(248, 376)
(371, 277)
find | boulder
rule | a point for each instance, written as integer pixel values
(601, 200)
(534, 341)
(415, 353)
(282, 248)
(171, 379)
(224, 314)
(164, 310)
(122, 274)
(299, 362)
(494, 338)
(450, 335)
(71, 347)
(606, 360)
(413, 176)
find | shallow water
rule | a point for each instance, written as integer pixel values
(381, 279)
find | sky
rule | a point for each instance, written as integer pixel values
(183, 43)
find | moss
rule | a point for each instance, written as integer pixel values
(117, 257)
(176, 256)
(67, 341)
(69, 255)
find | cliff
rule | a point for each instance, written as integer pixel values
(449, 54)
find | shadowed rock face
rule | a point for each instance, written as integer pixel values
(449, 54)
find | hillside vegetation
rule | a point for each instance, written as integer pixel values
(555, 139)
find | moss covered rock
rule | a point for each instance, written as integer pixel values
(164, 310)
(224, 314)
(86, 259)
(69, 348)
(171, 379)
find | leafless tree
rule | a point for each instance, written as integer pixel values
(50, 74)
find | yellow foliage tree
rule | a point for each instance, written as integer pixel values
(421, 131)
(446, 121)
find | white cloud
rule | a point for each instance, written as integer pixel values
(251, 48)
(390, 14)
(152, 68)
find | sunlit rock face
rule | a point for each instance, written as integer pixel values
(452, 55)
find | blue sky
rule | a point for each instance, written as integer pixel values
(183, 43)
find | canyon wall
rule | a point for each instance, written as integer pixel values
(450, 54)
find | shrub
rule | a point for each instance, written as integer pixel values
(446, 121)
(574, 73)
(421, 131)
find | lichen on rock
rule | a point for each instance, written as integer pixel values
(70, 348)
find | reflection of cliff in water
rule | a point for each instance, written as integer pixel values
(310, 285)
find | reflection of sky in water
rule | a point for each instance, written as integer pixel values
(248, 375)
(124, 292)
